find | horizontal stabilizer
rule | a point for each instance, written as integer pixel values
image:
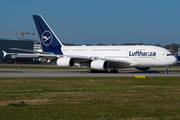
(4, 53)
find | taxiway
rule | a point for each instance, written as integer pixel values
(129, 72)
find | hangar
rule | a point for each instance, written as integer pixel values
(5, 44)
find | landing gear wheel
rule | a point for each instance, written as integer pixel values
(93, 71)
(105, 71)
(166, 72)
(98, 71)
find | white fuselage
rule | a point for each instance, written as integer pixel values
(136, 55)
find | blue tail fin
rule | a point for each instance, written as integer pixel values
(49, 40)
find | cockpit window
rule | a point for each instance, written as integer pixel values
(169, 54)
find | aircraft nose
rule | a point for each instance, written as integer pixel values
(174, 60)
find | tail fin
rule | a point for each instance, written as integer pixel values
(49, 40)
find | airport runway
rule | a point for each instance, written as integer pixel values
(130, 72)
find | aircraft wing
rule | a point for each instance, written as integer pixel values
(112, 62)
(31, 54)
(31, 51)
(76, 57)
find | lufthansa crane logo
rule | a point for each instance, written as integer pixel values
(46, 38)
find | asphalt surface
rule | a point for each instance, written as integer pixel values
(129, 72)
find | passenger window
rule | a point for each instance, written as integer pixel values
(169, 54)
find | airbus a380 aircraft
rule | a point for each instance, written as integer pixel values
(98, 57)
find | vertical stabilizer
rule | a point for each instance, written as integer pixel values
(49, 40)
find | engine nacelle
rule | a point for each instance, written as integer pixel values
(99, 65)
(65, 62)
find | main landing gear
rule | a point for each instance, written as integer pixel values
(103, 71)
(98, 71)
(166, 70)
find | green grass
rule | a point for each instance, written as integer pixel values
(90, 98)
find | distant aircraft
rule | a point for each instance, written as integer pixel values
(98, 57)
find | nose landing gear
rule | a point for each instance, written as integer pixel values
(166, 70)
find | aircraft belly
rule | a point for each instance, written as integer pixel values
(117, 65)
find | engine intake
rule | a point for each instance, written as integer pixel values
(99, 65)
(65, 62)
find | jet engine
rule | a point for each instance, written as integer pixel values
(65, 62)
(99, 65)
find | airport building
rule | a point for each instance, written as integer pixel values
(178, 51)
(37, 46)
(5, 44)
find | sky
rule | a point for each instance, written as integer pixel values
(96, 21)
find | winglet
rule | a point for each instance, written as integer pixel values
(5, 53)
